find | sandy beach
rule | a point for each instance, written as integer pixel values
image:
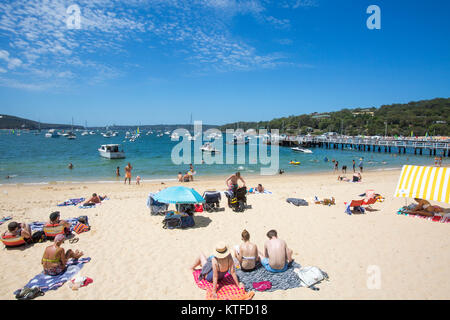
(133, 257)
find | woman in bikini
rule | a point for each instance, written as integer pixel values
(424, 208)
(222, 263)
(246, 253)
(55, 258)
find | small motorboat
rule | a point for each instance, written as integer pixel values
(298, 149)
(71, 135)
(52, 134)
(111, 151)
(208, 147)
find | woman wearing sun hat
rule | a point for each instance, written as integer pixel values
(217, 266)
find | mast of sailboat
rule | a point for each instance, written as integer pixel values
(192, 126)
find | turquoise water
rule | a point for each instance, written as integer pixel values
(30, 158)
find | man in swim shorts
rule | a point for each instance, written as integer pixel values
(232, 181)
(277, 256)
(128, 173)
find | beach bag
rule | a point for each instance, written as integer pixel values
(29, 293)
(38, 236)
(310, 276)
(80, 228)
(198, 208)
(187, 221)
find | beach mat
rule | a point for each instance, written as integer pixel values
(71, 202)
(280, 281)
(4, 220)
(402, 211)
(226, 288)
(46, 282)
(39, 226)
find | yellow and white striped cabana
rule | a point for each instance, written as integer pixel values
(430, 183)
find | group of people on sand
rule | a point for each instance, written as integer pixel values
(188, 175)
(277, 257)
(356, 178)
(54, 259)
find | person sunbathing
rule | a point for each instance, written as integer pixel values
(357, 177)
(343, 178)
(219, 264)
(54, 260)
(16, 229)
(246, 253)
(277, 256)
(424, 208)
(95, 199)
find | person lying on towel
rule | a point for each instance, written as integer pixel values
(217, 266)
(95, 199)
(424, 208)
(277, 256)
(247, 253)
(55, 258)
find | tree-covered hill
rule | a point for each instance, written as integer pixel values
(432, 116)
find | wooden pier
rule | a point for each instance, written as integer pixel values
(388, 145)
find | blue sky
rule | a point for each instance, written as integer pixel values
(158, 61)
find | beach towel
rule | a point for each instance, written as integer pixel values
(280, 281)
(226, 288)
(297, 202)
(437, 218)
(4, 220)
(264, 192)
(39, 226)
(71, 202)
(46, 282)
(91, 205)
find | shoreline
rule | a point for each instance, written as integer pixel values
(197, 178)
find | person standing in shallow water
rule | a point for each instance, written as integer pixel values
(118, 172)
(128, 169)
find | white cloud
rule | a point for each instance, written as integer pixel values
(197, 30)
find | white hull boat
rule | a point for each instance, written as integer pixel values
(111, 151)
(297, 149)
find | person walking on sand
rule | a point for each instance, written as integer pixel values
(128, 169)
(277, 256)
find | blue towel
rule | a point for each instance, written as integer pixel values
(46, 283)
(71, 202)
(5, 219)
(39, 226)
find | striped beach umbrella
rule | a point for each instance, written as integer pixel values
(429, 183)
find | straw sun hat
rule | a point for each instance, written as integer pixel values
(221, 250)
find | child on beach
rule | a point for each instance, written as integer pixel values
(128, 173)
(138, 180)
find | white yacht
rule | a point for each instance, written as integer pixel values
(71, 135)
(298, 149)
(111, 151)
(52, 134)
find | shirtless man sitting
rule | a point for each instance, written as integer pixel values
(277, 256)
(95, 199)
(232, 181)
(246, 253)
(424, 208)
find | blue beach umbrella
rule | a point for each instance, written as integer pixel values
(180, 195)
